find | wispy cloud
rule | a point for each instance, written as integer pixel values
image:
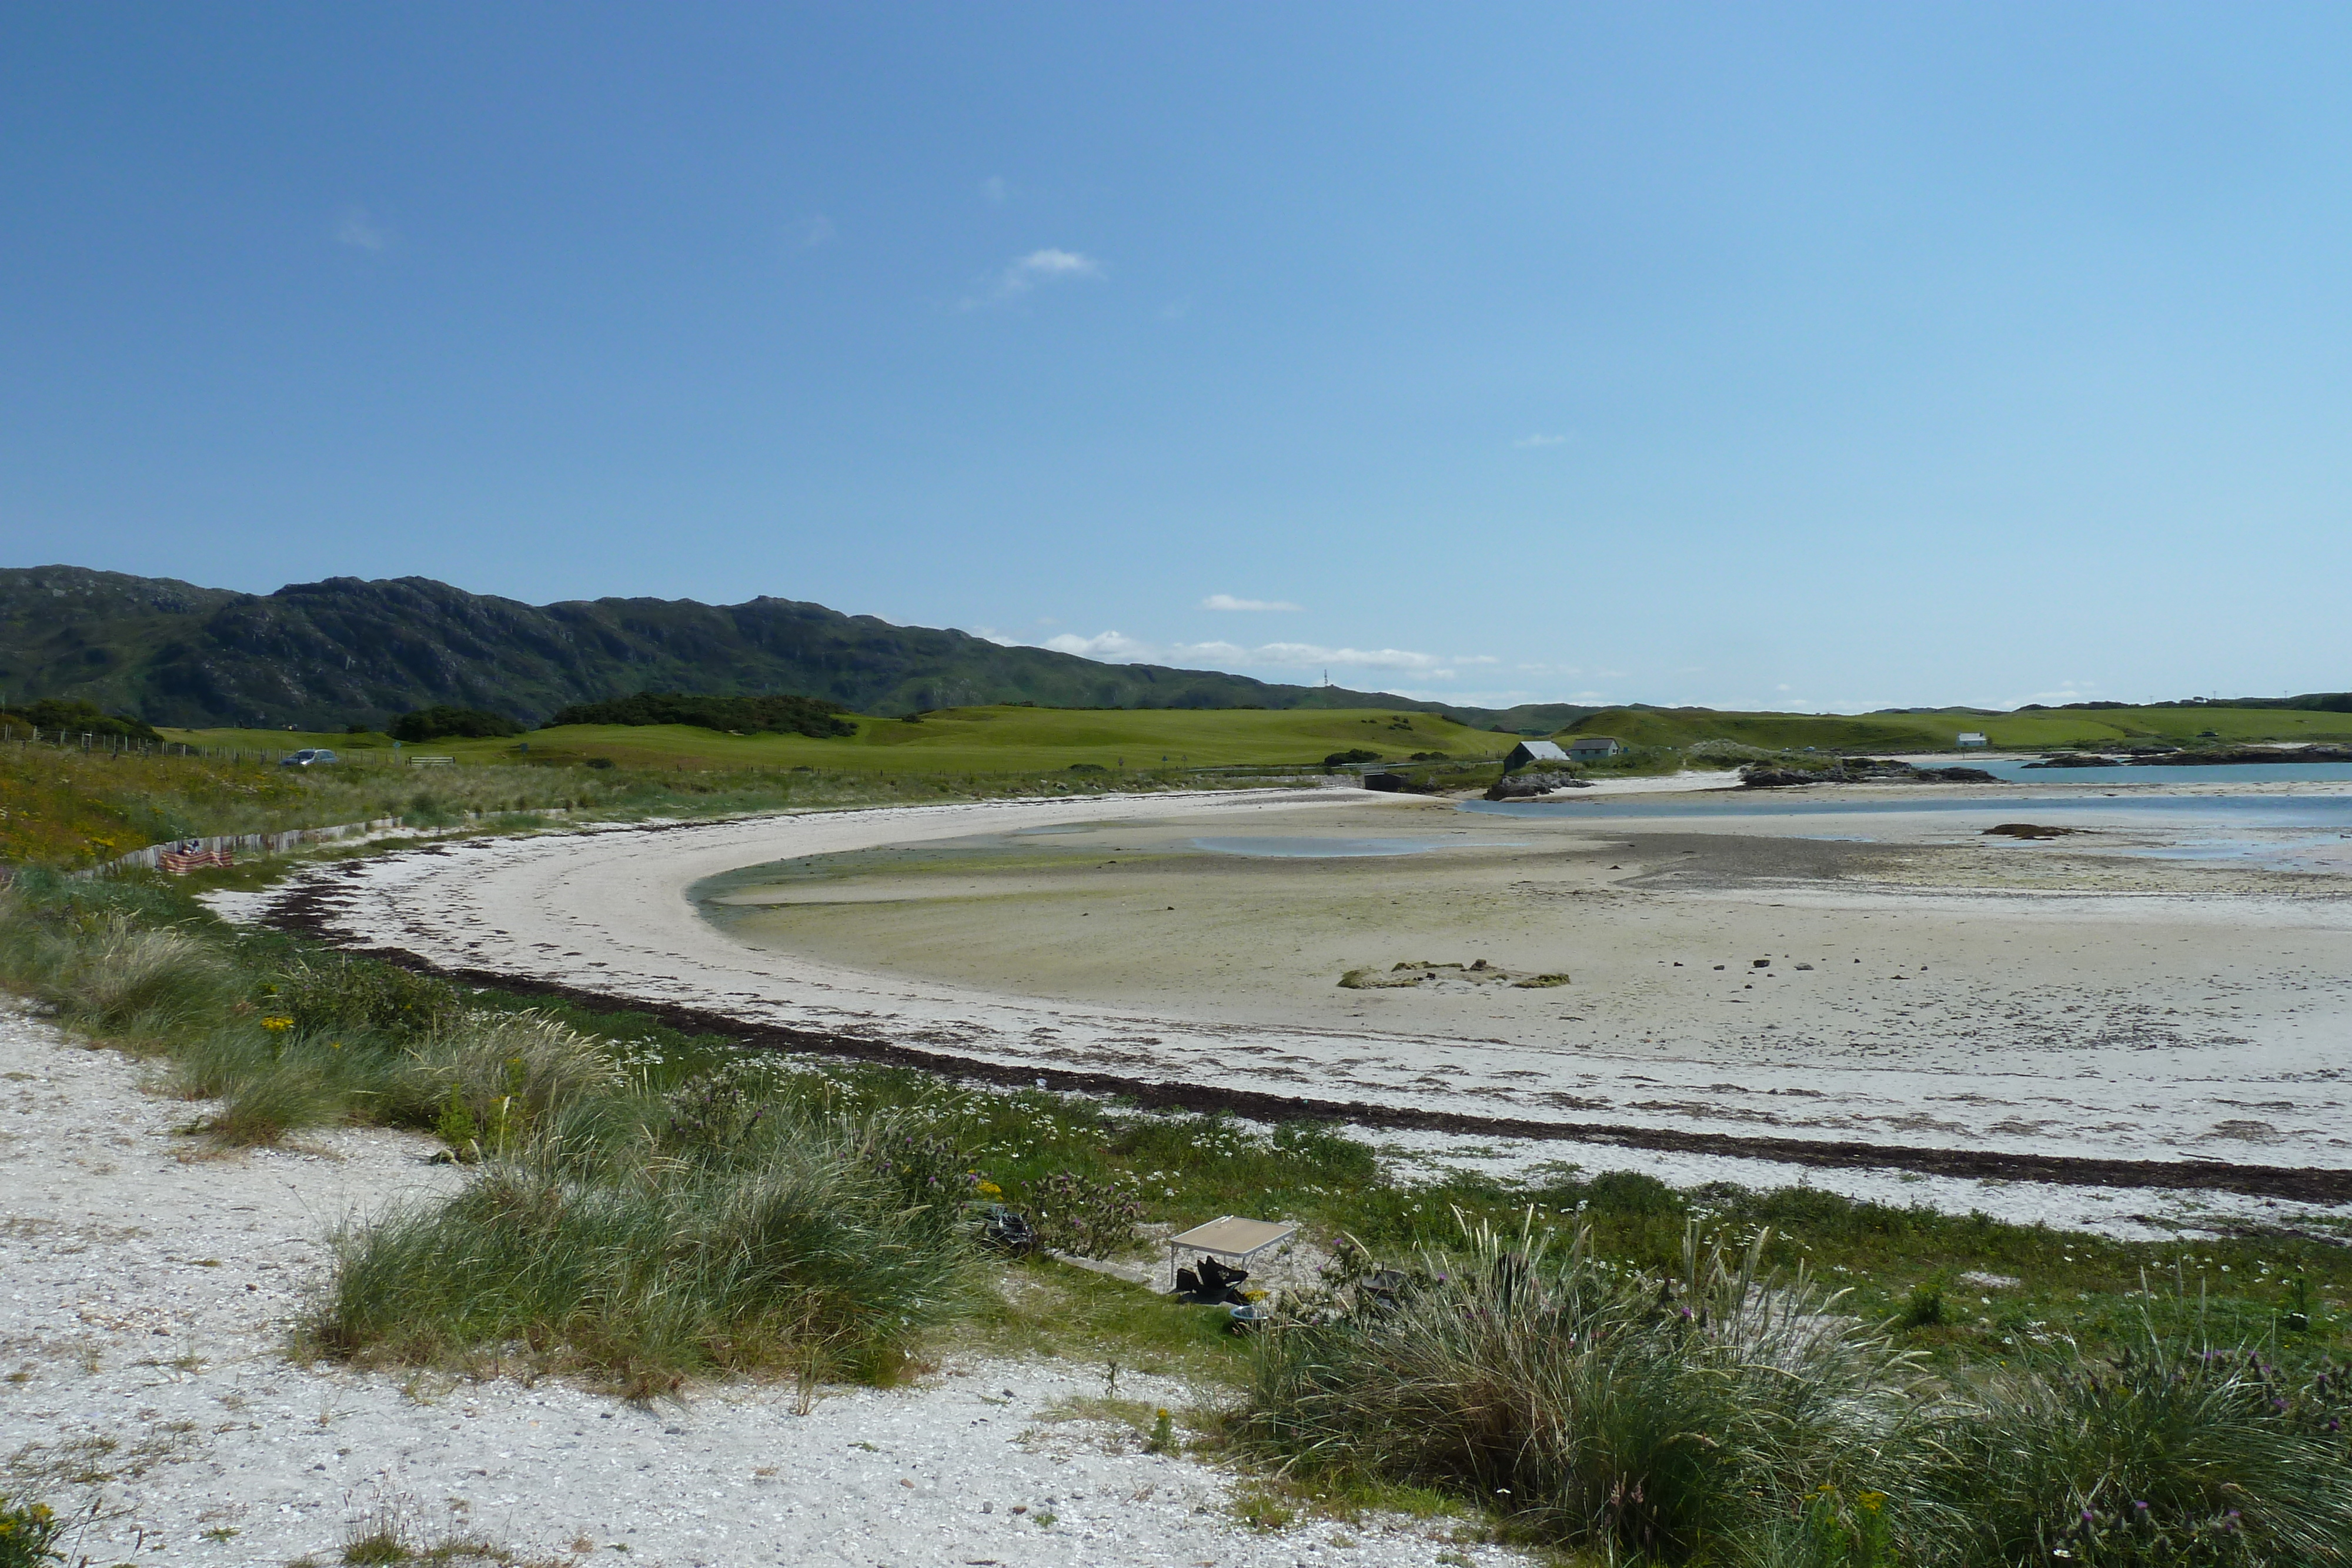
(1227, 602)
(994, 189)
(1048, 266)
(1118, 647)
(1038, 268)
(818, 231)
(361, 232)
(1525, 442)
(1511, 697)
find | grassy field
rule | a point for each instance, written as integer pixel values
(2045, 731)
(953, 742)
(64, 806)
(68, 807)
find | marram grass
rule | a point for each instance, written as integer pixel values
(1591, 1404)
(804, 1255)
(1718, 1414)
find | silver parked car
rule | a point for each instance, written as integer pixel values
(309, 757)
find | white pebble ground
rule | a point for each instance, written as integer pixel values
(147, 1292)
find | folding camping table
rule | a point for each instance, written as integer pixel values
(1231, 1237)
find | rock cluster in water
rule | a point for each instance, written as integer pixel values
(1858, 770)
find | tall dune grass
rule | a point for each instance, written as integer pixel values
(799, 1250)
(1593, 1404)
(1725, 1417)
(103, 966)
(2168, 1453)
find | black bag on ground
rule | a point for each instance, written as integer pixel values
(1212, 1284)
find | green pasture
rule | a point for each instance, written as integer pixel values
(2047, 730)
(1013, 741)
(972, 740)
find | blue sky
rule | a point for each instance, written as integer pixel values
(1790, 356)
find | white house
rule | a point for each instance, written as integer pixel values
(1973, 737)
(1591, 747)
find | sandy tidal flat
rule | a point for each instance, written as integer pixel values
(1930, 989)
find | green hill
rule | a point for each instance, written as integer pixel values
(322, 655)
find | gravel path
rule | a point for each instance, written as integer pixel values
(146, 1292)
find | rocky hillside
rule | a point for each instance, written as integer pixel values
(321, 656)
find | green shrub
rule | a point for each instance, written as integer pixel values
(28, 1533)
(1925, 1307)
(330, 994)
(812, 716)
(444, 721)
(1085, 1216)
(55, 714)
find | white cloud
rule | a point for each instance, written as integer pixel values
(1103, 645)
(2069, 692)
(817, 231)
(1530, 441)
(1118, 647)
(361, 232)
(1227, 602)
(994, 189)
(1048, 266)
(1308, 655)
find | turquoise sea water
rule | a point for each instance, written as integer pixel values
(2280, 833)
(2223, 773)
(2249, 811)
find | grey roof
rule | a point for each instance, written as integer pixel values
(1597, 740)
(1542, 751)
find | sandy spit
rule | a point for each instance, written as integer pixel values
(146, 1295)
